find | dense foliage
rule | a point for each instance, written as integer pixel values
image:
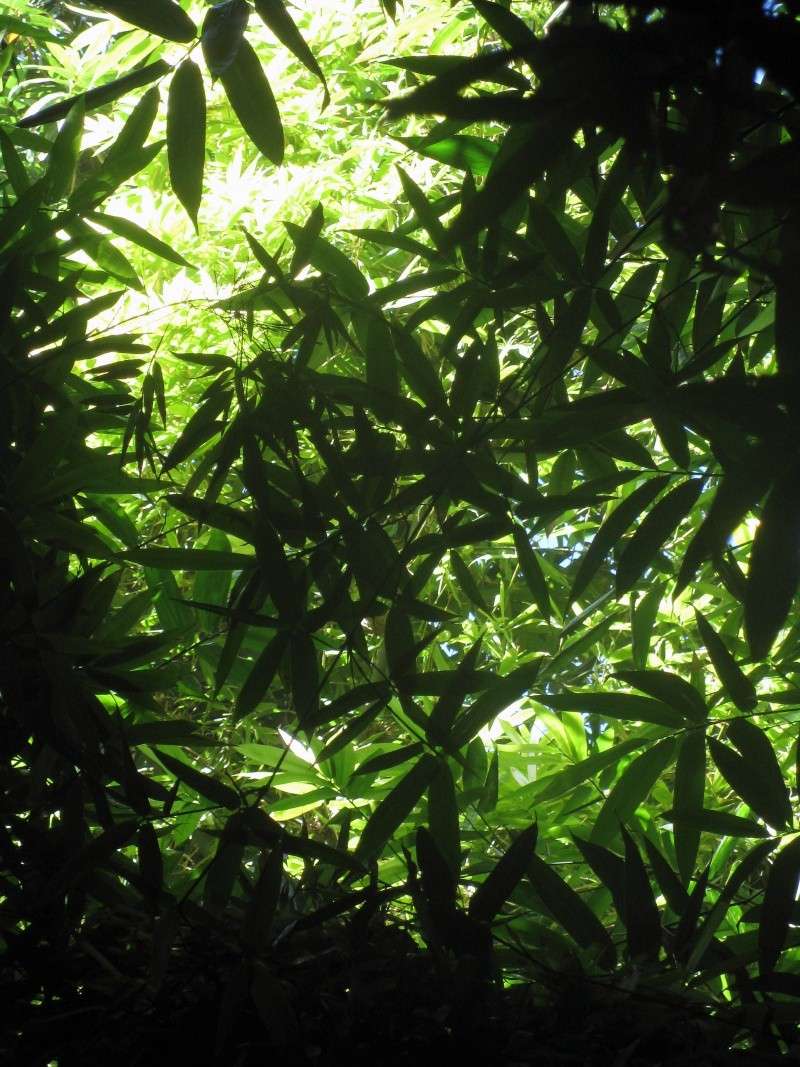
(400, 537)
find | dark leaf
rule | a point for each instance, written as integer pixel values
(166, 18)
(641, 917)
(737, 685)
(503, 879)
(779, 898)
(639, 552)
(277, 18)
(253, 103)
(394, 808)
(570, 910)
(774, 569)
(186, 136)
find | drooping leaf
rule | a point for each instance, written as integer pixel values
(261, 674)
(166, 18)
(63, 158)
(222, 33)
(505, 876)
(570, 910)
(765, 792)
(688, 794)
(612, 530)
(737, 685)
(186, 136)
(641, 918)
(656, 528)
(393, 809)
(779, 898)
(631, 788)
(252, 100)
(280, 22)
(774, 570)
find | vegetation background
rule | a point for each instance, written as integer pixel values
(399, 531)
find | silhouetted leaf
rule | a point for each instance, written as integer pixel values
(779, 899)
(774, 569)
(204, 784)
(261, 674)
(688, 795)
(222, 33)
(737, 685)
(631, 788)
(641, 917)
(166, 18)
(570, 910)
(657, 527)
(670, 689)
(253, 103)
(393, 809)
(186, 136)
(505, 876)
(278, 19)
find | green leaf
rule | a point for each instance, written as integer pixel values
(203, 784)
(166, 18)
(570, 910)
(424, 211)
(188, 559)
(304, 674)
(505, 876)
(688, 794)
(555, 785)
(624, 706)
(63, 158)
(609, 868)
(643, 620)
(631, 788)
(186, 136)
(766, 794)
(417, 369)
(660, 524)
(496, 698)
(710, 821)
(774, 570)
(261, 674)
(386, 760)
(394, 808)
(640, 917)
(102, 94)
(469, 587)
(532, 571)
(280, 22)
(461, 150)
(253, 103)
(487, 801)
(670, 689)
(443, 817)
(779, 898)
(612, 530)
(258, 919)
(131, 231)
(737, 685)
(222, 33)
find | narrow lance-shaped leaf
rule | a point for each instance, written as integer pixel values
(64, 153)
(631, 788)
(166, 18)
(261, 674)
(222, 33)
(570, 910)
(670, 689)
(689, 790)
(774, 570)
(204, 784)
(394, 808)
(532, 571)
(503, 879)
(97, 97)
(264, 903)
(186, 136)
(641, 917)
(737, 685)
(443, 817)
(659, 524)
(280, 22)
(253, 102)
(761, 789)
(612, 530)
(779, 899)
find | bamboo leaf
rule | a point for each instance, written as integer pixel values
(737, 685)
(639, 552)
(630, 789)
(394, 808)
(251, 98)
(186, 136)
(505, 876)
